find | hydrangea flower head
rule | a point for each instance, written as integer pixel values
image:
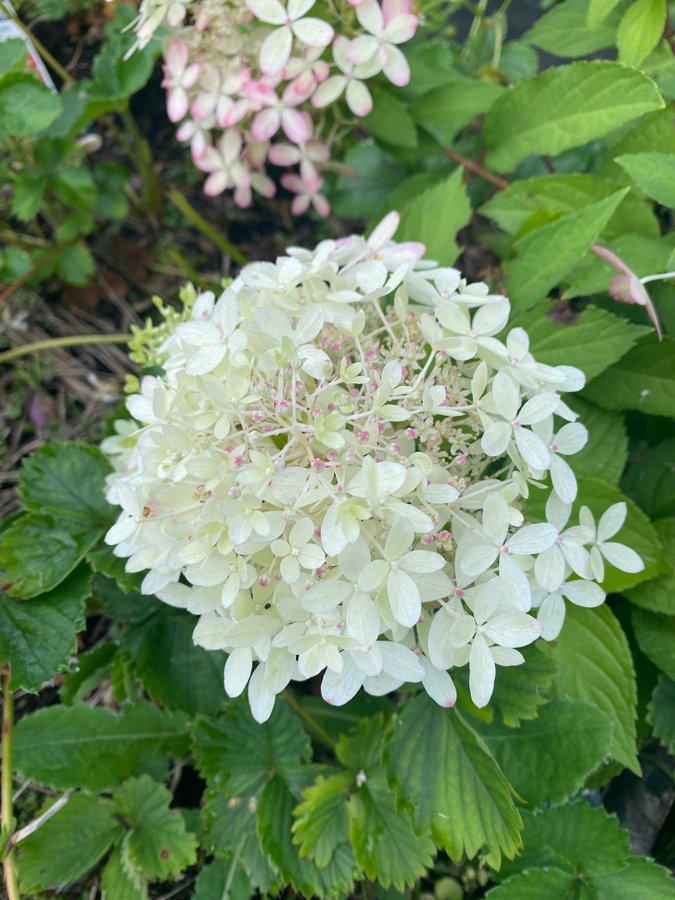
(332, 471)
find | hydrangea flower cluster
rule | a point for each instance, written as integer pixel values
(332, 475)
(260, 74)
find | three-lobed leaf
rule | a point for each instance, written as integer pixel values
(445, 772)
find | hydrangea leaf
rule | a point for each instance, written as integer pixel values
(565, 107)
(37, 638)
(606, 451)
(377, 175)
(643, 380)
(157, 842)
(28, 106)
(117, 884)
(321, 820)
(446, 109)
(650, 481)
(67, 480)
(536, 884)
(135, 741)
(535, 270)
(565, 31)
(639, 30)
(50, 857)
(549, 758)
(595, 665)
(658, 594)
(662, 712)
(193, 682)
(275, 820)
(435, 217)
(576, 839)
(653, 173)
(390, 121)
(576, 344)
(655, 635)
(559, 194)
(444, 770)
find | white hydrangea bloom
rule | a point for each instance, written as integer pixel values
(332, 475)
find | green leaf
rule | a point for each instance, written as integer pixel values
(595, 665)
(390, 120)
(115, 77)
(37, 553)
(37, 638)
(75, 264)
(12, 54)
(655, 635)
(443, 769)
(651, 480)
(552, 196)
(640, 878)
(375, 175)
(593, 341)
(239, 748)
(549, 758)
(658, 594)
(336, 720)
(436, 216)
(67, 479)
(639, 30)
(274, 829)
(28, 107)
(135, 741)
(598, 10)
(606, 451)
(662, 712)
(577, 839)
(158, 844)
(536, 270)
(643, 380)
(385, 845)
(216, 876)
(117, 884)
(321, 821)
(565, 107)
(536, 884)
(565, 31)
(74, 186)
(447, 109)
(654, 173)
(102, 561)
(193, 681)
(51, 856)
(521, 690)
(29, 189)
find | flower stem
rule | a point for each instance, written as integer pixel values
(7, 815)
(151, 194)
(76, 340)
(318, 730)
(205, 227)
(476, 168)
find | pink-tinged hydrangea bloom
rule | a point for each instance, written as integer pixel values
(307, 188)
(179, 77)
(276, 48)
(374, 544)
(259, 67)
(627, 287)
